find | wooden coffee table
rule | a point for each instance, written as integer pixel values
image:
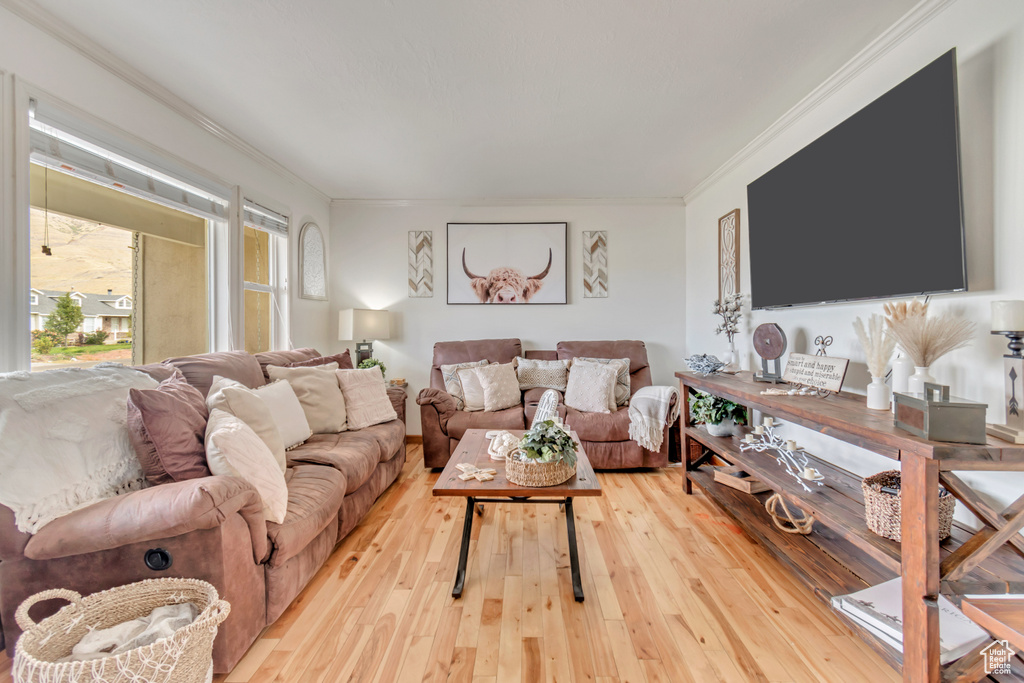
(473, 449)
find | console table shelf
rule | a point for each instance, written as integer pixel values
(842, 555)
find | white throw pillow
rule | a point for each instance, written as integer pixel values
(248, 406)
(366, 397)
(542, 374)
(622, 389)
(591, 388)
(287, 411)
(472, 390)
(451, 380)
(319, 394)
(501, 388)
(234, 450)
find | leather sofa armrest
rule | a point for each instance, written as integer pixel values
(441, 401)
(397, 396)
(156, 512)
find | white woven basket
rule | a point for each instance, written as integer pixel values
(184, 657)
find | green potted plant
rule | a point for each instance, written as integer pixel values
(370, 362)
(546, 456)
(719, 415)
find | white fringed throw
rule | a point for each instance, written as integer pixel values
(64, 440)
(650, 411)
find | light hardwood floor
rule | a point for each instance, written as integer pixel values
(675, 592)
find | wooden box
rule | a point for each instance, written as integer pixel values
(736, 478)
(955, 420)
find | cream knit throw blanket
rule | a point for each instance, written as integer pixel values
(650, 411)
(64, 440)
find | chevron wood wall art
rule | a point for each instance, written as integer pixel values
(595, 264)
(421, 264)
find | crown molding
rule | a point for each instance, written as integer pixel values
(497, 201)
(71, 37)
(907, 26)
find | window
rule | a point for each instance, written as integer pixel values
(265, 240)
(33, 299)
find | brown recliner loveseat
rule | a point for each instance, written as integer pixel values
(212, 528)
(605, 436)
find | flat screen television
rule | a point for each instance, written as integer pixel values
(871, 209)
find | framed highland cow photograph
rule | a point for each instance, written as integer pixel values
(507, 263)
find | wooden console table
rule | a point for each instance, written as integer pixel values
(842, 555)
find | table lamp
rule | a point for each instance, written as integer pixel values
(1008, 321)
(355, 324)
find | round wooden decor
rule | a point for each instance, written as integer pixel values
(769, 341)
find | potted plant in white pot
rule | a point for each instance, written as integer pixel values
(546, 456)
(719, 415)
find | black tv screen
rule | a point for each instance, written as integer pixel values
(871, 209)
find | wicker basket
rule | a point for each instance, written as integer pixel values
(882, 509)
(536, 474)
(185, 657)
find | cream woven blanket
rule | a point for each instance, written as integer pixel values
(64, 440)
(650, 411)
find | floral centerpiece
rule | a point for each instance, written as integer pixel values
(730, 309)
(546, 456)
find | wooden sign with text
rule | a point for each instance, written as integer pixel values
(820, 372)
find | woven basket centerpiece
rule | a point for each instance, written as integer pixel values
(882, 508)
(184, 657)
(546, 456)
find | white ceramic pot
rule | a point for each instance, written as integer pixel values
(724, 428)
(915, 384)
(878, 394)
(902, 369)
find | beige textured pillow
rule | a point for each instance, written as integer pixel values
(366, 397)
(542, 374)
(248, 406)
(234, 450)
(318, 393)
(622, 389)
(501, 388)
(472, 390)
(287, 411)
(451, 380)
(591, 388)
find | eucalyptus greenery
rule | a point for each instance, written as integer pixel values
(711, 409)
(370, 362)
(548, 441)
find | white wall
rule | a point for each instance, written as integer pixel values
(989, 35)
(43, 63)
(369, 268)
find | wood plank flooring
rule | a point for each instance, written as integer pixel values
(674, 592)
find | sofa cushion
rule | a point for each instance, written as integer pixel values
(237, 365)
(283, 358)
(546, 374)
(599, 426)
(234, 450)
(314, 497)
(167, 427)
(591, 388)
(620, 391)
(511, 418)
(356, 454)
(344, 361)
(318, 393)
(501, 388)
(451, 353)
(366, 397)
(635, 351)
(249, 407)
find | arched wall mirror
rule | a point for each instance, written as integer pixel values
(312, 263)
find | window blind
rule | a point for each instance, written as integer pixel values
(258, 216)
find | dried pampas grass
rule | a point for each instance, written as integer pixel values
(927, 339)
(878, 346)
(901, 310)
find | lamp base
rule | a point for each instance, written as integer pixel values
(364, 351)
(1006, 433)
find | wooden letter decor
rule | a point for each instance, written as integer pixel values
(728, 254)
(820, 372)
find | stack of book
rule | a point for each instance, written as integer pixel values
(879, 609)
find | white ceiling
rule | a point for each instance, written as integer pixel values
(443, 99)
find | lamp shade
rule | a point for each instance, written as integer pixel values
(358, 324)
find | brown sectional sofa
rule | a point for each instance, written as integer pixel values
(605, 436)
(212, 527)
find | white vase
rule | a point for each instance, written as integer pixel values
(731, 358)
(878, 394)
(916, 383)
(723, 428)
(902, 369)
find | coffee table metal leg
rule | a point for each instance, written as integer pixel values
(467, 531)
(574, 554)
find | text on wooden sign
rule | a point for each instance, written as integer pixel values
(821, 372)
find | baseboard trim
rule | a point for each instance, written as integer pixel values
(413, 438)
